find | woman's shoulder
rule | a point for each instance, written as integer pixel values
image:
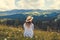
(32, 24)
(24, 24)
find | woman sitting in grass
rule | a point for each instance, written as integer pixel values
(28, 27)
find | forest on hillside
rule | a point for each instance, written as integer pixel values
(43, 19)
(42, 25)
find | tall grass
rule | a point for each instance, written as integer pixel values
(13, 33)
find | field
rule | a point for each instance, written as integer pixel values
(13, 33)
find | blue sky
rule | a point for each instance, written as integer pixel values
(29, 4)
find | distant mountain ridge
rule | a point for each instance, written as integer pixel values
(37, 14)
(22, 16)
(11, 12)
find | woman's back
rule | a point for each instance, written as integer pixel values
(29, 28)
(28, 31)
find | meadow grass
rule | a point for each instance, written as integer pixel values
(13, 33)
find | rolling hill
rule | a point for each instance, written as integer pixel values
(43, 15)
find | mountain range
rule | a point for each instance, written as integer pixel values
(37, 14)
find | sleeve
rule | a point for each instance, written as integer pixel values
(33, 26)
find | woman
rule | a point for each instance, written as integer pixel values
(28, 27)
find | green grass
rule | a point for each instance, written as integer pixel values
(13, 33)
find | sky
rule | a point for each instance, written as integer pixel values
(29, 4)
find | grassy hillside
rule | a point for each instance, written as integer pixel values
(13, 33)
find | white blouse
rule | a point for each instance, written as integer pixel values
(28, 32)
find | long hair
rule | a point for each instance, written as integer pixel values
(28, 21)
(28, 24)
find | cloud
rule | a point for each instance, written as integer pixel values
(7, 4)
(29, 4)
(56, 4)
(52, 4)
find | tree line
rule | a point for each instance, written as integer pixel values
(42, 25)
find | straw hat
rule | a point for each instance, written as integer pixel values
(29, 19)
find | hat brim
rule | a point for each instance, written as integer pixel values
(29, 20)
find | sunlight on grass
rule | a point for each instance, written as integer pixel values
(13, 33)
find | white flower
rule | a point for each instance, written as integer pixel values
(5, 38)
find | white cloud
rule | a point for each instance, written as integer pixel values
(56, 4)
(29, 4)
(7, 5)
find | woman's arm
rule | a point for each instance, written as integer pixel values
(32, 26)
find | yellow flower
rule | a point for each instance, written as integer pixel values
(35, 36)
(19, 30)
(6, 32)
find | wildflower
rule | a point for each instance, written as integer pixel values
(19, 30)
(5, 38)
(35, 36)
(6, 32)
